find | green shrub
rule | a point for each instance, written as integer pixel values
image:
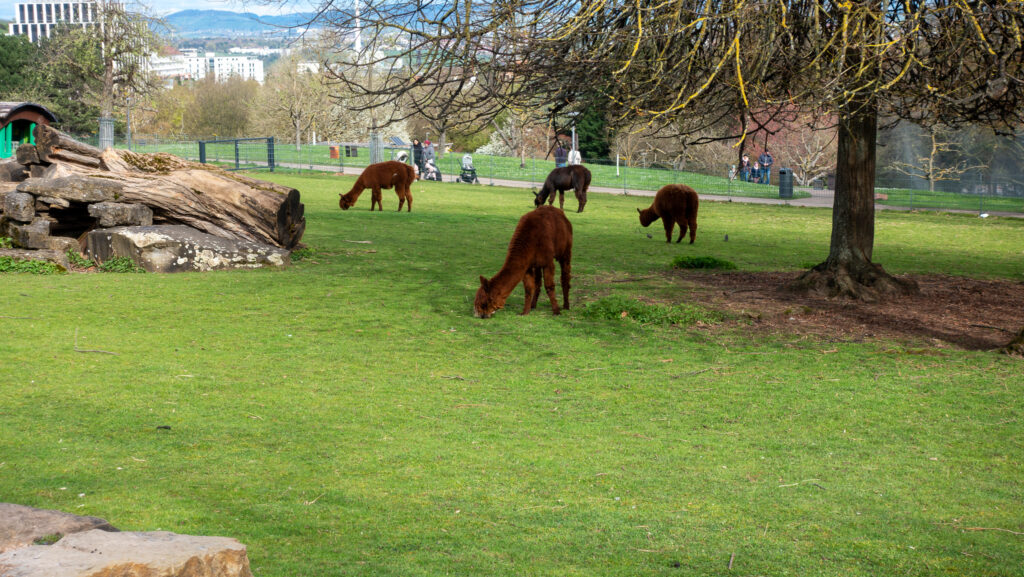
(11, 264)
(620, 307)
(702, 262)
(300, 254)
(6, 242)
(77, 260)
(119, 264)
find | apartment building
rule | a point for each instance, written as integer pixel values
(38, 19)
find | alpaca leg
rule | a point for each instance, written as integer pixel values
(561, 199)
(682, 230)
(375, 199)
(549, 285)
(581, 196)
(536, 283)
(669, 225)
(408, 198)
(566, 275)
(530, 284)
(693, 229)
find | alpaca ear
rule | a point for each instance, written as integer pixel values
(639, 211)
(483, 281)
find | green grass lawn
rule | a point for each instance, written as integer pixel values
(349, 416)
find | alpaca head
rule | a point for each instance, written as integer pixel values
(485, 303)
(647, 216)
(345, 202)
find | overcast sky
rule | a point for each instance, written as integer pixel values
(163, 7)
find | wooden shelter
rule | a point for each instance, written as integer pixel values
(17, 123)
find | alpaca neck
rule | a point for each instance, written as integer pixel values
(503, 283)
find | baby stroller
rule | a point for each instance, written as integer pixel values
(468, 174)
(431, 172)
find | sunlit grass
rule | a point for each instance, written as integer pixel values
(349, 416)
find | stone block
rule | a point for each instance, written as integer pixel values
(12, 171)
(179, 248)
(26, 154)
(19, 206)
(129, 554)
(109, 214)
(20, 526)
(32, 235)
(74, 188)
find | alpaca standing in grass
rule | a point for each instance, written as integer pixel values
(673, 203)
(561, 179)
(542, 236)
(379, 176)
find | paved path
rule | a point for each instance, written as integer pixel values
(818, 198)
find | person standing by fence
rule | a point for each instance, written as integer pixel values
(561, 155)
(417, 154)
(428, 153)
(766, 161)
(745, 168)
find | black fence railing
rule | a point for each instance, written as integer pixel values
(609, 175)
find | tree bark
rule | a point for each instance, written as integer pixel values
(849, 271)
(1015, 348)
(52, 145)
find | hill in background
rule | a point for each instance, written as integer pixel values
(223, 23)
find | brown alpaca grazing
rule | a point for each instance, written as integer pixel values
(379, 176)
(542, 236)
(561, 179)
(673, 203)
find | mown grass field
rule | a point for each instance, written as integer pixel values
(349, 416)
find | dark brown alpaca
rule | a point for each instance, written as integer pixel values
(379, 176)
(542, 236)
(673, 203)
(561, 179)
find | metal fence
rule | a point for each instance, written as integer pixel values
(609, 175)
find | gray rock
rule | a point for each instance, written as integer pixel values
(26, 154)
(75, 188)
(12, 171)
(179, 248)
(19, 206)
(108, 214)
(63, 244)
(129, 554)
(52, 202)
(57, 257)
(20, 526)
(29, 235)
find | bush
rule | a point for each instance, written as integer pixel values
(11, 264)
(120, 264)
(702, 262)
(620, 307)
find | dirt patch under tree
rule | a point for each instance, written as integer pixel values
(949, 311)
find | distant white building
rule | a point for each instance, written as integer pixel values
(38, 19)
(225, 67)
(189, 65)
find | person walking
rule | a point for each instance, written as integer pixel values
(766, 161)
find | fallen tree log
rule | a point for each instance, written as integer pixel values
(178, 191)
(53, 145)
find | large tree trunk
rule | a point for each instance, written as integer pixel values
(1015, 347)
(849, 271)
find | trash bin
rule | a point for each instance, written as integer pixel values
(785, 183)
(334, 152)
